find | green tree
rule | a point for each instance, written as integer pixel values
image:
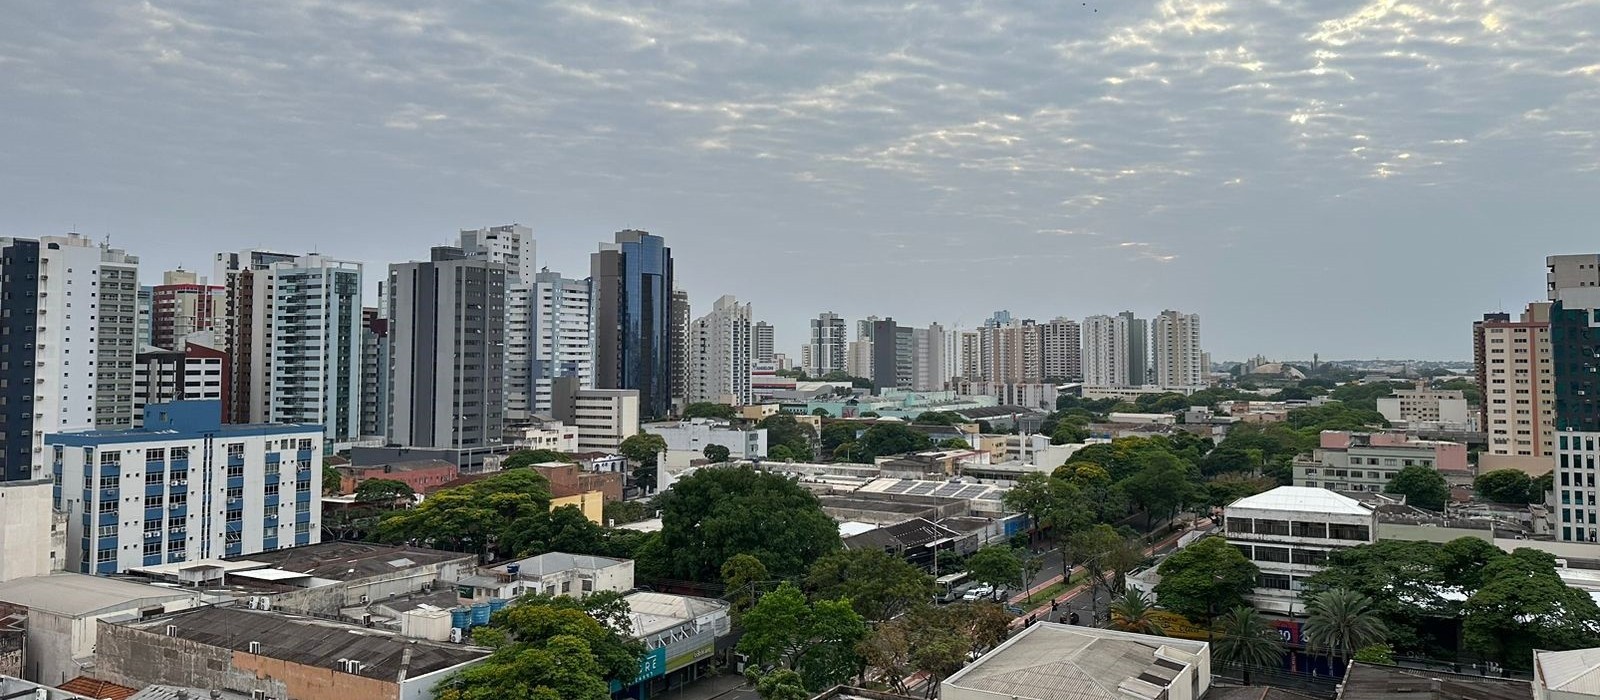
(1244, 638)
(878, 585)
(330, 480)
(384, 492)
(1228, 487)
(741, 574)
(705, 409)
(1130, 612)
(1205, 579)
(817, 641)
(1407, 587)
(933, 640)
(525, 458)
(783, 430)
(782, 684)
(954, 443)
(885, 439)
(995, 565)
(474, 517)
(1160, 485)
(1106, 555)
(1377, 654)
(714, 514)
(938, 418)
(1069, 433)
(821, 413)
(551, 649)
(716, 453)
(1339, 621)
(1423, 487)
(643, 450)
(1524, 605)
(1511, 486)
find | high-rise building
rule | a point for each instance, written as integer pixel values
(634, 331)
(929, 364)
(1138, 339)
(826, 351)
(182, 304)
(562, 335)
(969, 351)
(1105, 351)
(1010, 352)
(304, 328)
(680, 318)
(721, 354)
(145, 316)
(236, 273)
(858, 358)
(374, 372)
(185, 487)
(891, 355)
(1574, 290)
(1176, 340)
(513, 246)
(1061, 351)
(763, 342)
(42, 334)
(447, 320)
(1515, 374)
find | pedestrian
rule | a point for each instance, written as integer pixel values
(1072, 619)
(1053, 606)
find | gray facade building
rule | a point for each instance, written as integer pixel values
(447, 321)
(1138, 349)
(637, 338)
(827, 345)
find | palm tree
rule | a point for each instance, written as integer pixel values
(1246, 640)
(1340, 621)
(1132, 613)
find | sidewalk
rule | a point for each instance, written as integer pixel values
(1148, 551)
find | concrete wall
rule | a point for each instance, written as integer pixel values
(328, 600)
(27, 527)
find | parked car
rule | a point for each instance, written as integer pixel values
(980, 592)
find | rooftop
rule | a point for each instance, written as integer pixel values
(1576, 671)
(656, 612)
(1303, 499)
(1049, 661)
(310, 641)
(179, 420)
(347, 561)
(81, 595)
(1369, 682)
(101, 690)
(915, 532)
(401, 467)
(555, 562)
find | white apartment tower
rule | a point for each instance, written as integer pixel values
(1061, 356)
(827, 350)
(304, 349)
(1105, 349)
(512, 245)
(1178, 359)
(562, 335)
(930, 367)
(721, 353)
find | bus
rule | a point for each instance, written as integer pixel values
(950, 587)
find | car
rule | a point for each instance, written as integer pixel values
(979, 592)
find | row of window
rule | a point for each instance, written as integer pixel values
(1283, 555)
(1285, 528)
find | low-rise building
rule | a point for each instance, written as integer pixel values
(1426, 408)
(1288, 533)
(184, 487)
(422, 475)
(33, 535)
(62, 611)
(602, 417)
(545, 435)
(1364, 681)
(568, 480)
(679, 634)
(551, 573)
(276, 655)
(695, 434)
(1365, 462)
(1049, 661)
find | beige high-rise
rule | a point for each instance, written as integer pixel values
(1517, 379)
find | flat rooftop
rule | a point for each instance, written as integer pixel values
(1049, 661)
(311, 641)
(77, 595)
(1369, 682)
(655, 612)
(348, 561)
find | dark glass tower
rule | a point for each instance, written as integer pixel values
(633, 318)
(19, 299)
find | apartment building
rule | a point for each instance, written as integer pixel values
(695, 434)
(1426, 408)
(511, 245)
(185, 487)
(1288, 532)
(1516, 377)
(374, 373)
(197, 372)
(1357, 462)
(1175, 340)
(1061, 353)
(183, 304)
(721, 354)
(1574, 282)
(562, 335)
(826, 351)
(639, 320)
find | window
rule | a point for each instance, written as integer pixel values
(106, 555)
(1272, 527)
(236, 471)
(180, 453)
(154, 478)
(1361, 533)
(271, 488)
(152, 547)
(155, 454)
(1274, 581)
(1245, 550)
(1314, 557)
(1314, 530)
(1239, 525)
(235, 515)
(1273, 554)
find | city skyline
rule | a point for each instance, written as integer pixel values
(1293, 161)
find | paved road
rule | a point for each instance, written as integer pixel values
(1080, 599)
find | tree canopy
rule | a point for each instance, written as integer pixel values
(1524, 605)
(816, 640)
(383, 491)
(474, 517)
(715, 514)
(795, 438)
(706, 409)
(1423, 487)
(885, 439)
(716, 453)
(551, 649)
(1510, 486)
(935, 641)
(996, 565)
(1207, 578)
(878, 585)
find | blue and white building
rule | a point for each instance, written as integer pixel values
(185, 487)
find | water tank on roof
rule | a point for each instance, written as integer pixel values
(513, 569)
(480, 613)
(461, 617)
(496, 605)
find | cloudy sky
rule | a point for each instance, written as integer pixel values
(1359, 178)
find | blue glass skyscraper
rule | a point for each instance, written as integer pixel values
(633, 318)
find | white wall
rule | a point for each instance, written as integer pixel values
(27, 529)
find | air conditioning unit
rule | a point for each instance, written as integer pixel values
(455, 634)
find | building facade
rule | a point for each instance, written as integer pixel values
(182, 304)
(763, 341)
(511, 245)
(562, 337)
(1105, 352)
(721, 354)
(635, 318)
(825, 352)
(1175, 339)
(1574, 287)
(1515, 373)
(602, 417)
(374, 372)
(236, 272)
(1061, 354)
(447, 352)
(185, 487)
(1426, 408)
(1288, 532)
(195, 373)
(19, 336)
(304, 355)
(695, 434)
(1368, 461)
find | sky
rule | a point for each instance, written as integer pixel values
(1355, 178)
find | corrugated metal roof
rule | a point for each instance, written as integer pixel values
(1576, 671)
(1301, 498)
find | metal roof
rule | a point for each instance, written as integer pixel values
(349, 561)
(1049, 661)
(81, 595)
(1303, 499)
(1369, 682)
(1576, 671)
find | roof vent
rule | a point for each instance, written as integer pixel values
(255, 647)
(172, 630)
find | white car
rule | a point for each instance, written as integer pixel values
(979, 592)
